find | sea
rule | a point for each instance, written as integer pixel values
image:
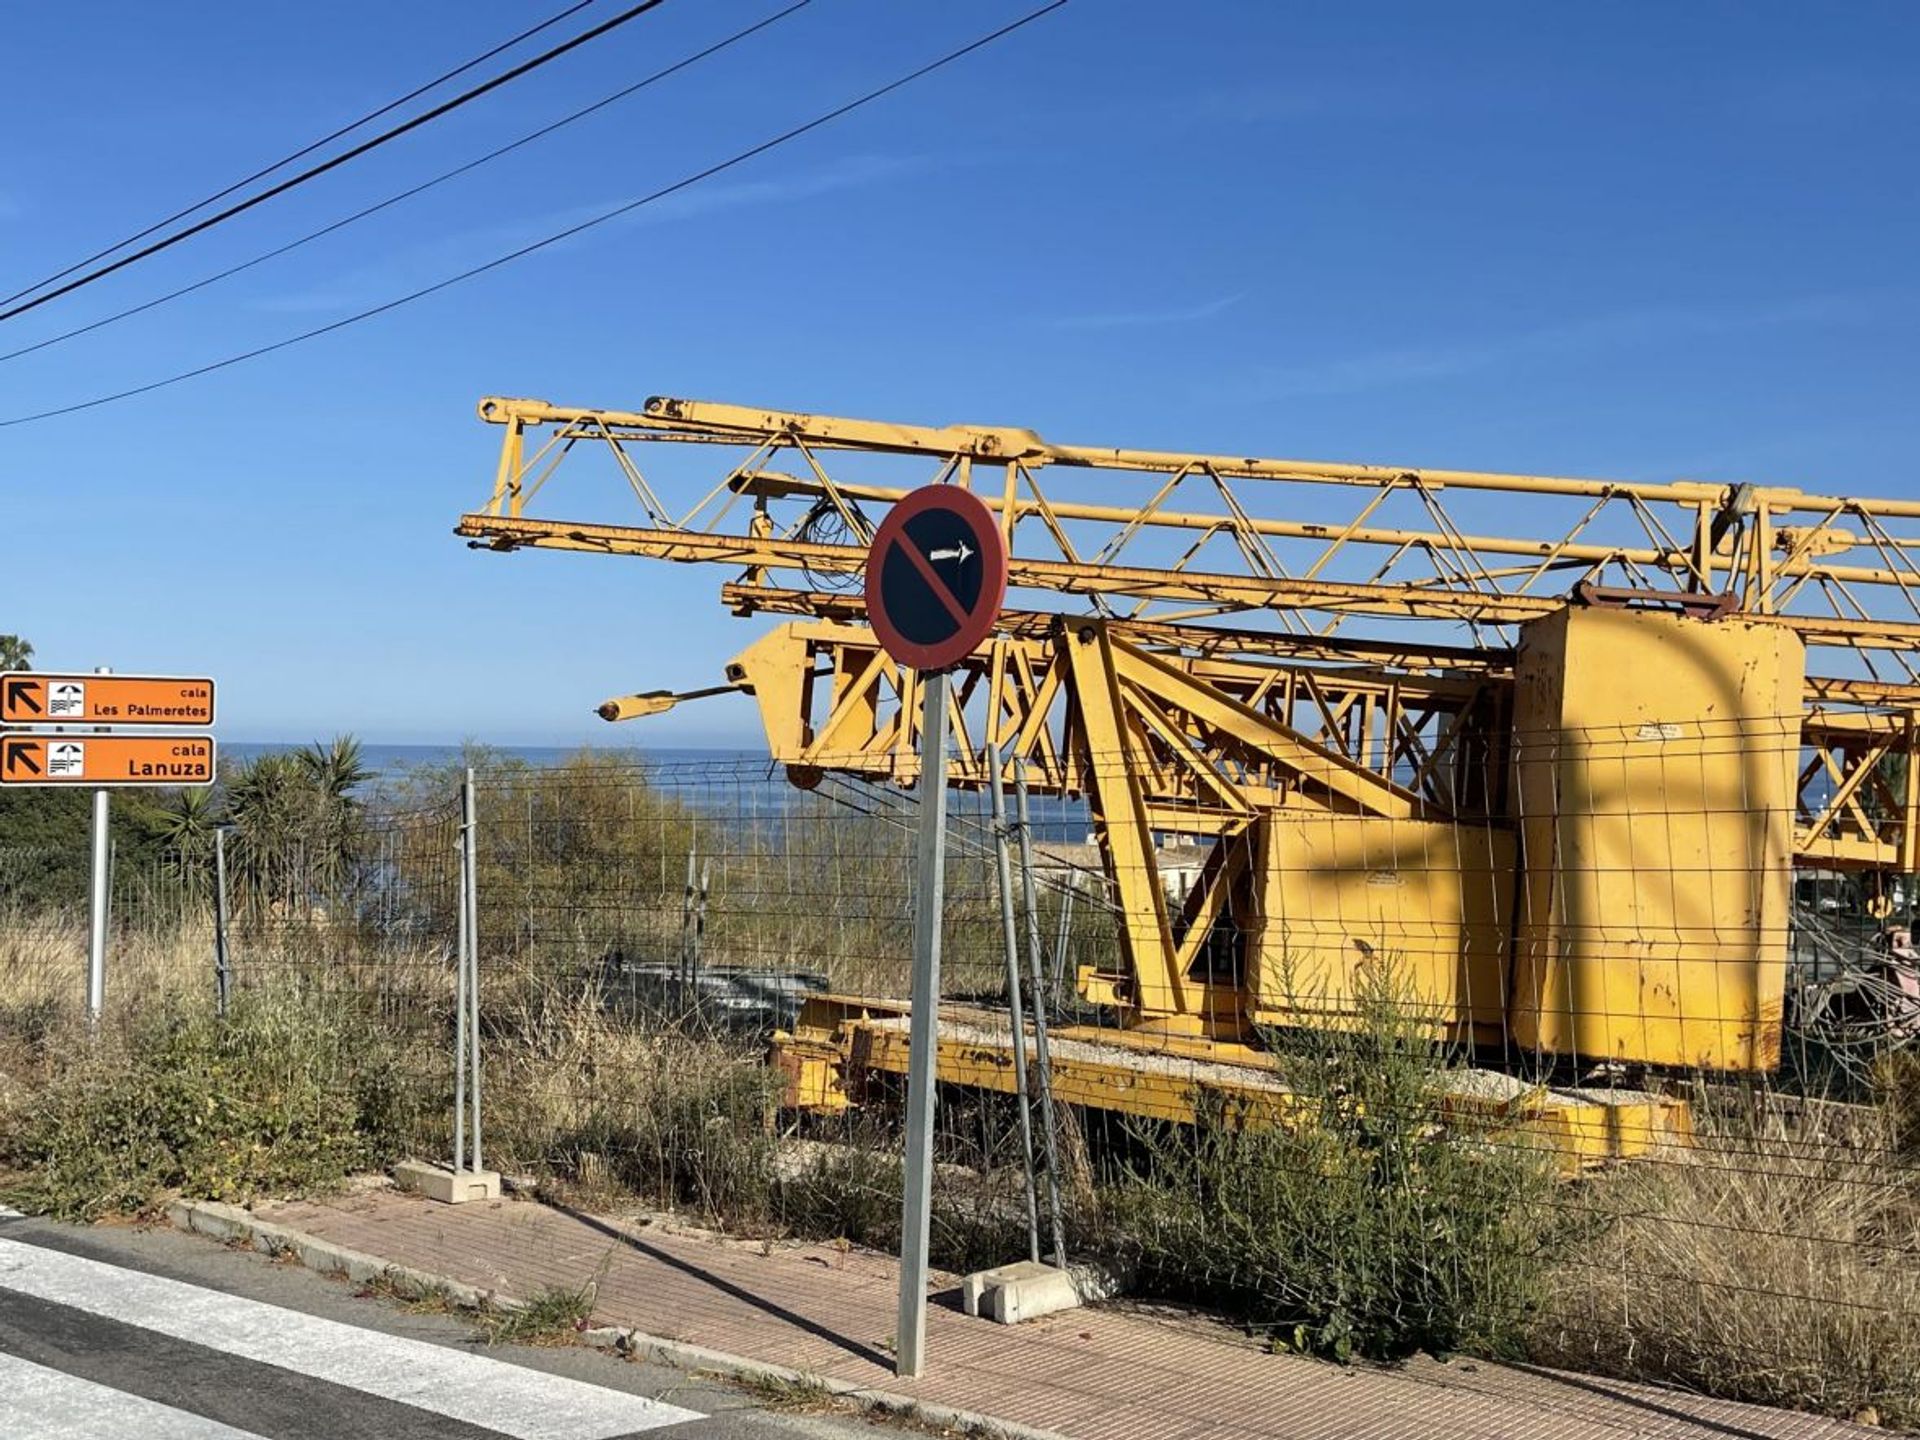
(392, 760)
(744, 783)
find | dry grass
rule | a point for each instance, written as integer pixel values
(1780, 1263)
(606, 1109)
(791, 1394)
(43, 968)
(1775, 1264)
(43, 963)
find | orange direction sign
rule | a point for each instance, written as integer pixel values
(104, 760)
(31, 698)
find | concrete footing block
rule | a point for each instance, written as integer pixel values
(450, 1187)
(1028, 1289)
(1025, 1290)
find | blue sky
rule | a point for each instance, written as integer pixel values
(1637, 240)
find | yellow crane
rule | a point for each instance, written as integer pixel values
(1578, 821)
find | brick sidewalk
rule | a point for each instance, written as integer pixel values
(1116, 1372)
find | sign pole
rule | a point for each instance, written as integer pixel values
(97, 913)
(935, 579)
(930, 865)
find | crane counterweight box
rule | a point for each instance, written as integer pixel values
(1655, 764)
(1426, 902)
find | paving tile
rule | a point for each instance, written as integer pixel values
(1111, 1372)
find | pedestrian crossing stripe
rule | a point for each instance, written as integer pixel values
(494, 1395)
(50, 1404)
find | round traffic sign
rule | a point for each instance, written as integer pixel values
(936, 575)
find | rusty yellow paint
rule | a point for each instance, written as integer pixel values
(1343, 896)
(857, 1039)
(811, 1075)
(1656, 825)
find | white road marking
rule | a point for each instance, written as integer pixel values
(52, 1405)
(511, 1399)
(7, 1212)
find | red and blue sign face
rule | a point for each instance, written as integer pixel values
(936, 576)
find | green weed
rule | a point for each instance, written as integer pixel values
(1362, 1228)
(287, 1095)
(554, 1316)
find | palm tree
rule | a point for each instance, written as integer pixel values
(299, 824)
(336, 769)
(334, 774)
(15, 653)
(266, 804)
(186, 825)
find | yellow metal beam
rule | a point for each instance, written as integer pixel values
(713, 421)
(1246, 592)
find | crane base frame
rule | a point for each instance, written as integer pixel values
(841, 1045)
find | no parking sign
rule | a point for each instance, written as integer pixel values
(936, 576)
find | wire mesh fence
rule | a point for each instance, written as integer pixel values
(1596, 1046)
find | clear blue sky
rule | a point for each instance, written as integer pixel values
(1643, 240)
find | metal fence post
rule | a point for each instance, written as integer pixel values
(1011, 940)
(460, 1001)
(222, 961)
(1063, 940)
(1037, 965)
(686, 929)
(470, 855)
(929, 868)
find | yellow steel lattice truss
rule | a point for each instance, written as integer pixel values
(1555, 741)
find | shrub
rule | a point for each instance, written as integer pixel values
(287, 1094)
(1363, 1226)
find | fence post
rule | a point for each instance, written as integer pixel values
(687, 1001)
(222, 961)
(460, 999)
(700, 934)
(1063, 939)
(470, 856)
(1010, 939)
(1037, 966)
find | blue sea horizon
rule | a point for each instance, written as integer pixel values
(395, 759)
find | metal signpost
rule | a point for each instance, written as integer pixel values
(44, 753)
(936, 576)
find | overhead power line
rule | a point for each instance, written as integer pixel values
(302, 153)
(466, 97)
(686, 182)
(407, 194)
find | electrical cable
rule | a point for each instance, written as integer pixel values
(412, 191)
(301, 153)
(556, 237)
(466, 97)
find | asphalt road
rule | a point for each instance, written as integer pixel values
(110, 1334)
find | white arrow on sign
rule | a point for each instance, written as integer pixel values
(956, 552)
